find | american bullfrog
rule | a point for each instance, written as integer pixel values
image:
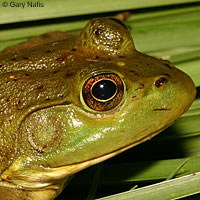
(71, 101)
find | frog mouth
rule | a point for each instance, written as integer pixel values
(162, 109)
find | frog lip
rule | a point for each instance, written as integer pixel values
(161, 109)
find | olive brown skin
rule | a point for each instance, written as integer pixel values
(71, 103)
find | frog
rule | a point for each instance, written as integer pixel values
(70, 101)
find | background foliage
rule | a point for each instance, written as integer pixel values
(169, 29)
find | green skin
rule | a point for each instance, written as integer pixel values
(48, 132)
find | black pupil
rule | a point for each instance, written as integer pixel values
(104, 89)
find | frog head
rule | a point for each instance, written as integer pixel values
(103, 98)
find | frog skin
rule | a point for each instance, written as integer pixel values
(72, 102)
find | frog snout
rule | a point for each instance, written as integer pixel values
(185, 90)
(188, 89)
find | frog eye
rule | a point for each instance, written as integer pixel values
(103, 92)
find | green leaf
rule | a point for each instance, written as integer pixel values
(167, 190)
(168, 29)
(45, 9)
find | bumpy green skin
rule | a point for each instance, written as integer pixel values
(48, 133)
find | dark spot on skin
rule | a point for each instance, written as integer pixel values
(133, 97)
(160, 82)
(40, 87)
(18, 108)
(1, 65)
(73, 49)
(60, 59)
(13, 59)
(109, 59)
(48, 51)
(9, 178)
(168, 65)
(55, 72)
(25, 58)
(18, 105)
(27, 74)
(6, 100)
(147, 64)
(97, 57)
(68, 74)
(135, 73)
(140, 87)
(161, 109)
(98, 32)
(121, 56)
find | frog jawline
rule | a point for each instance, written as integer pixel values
(52, 175)
(76, 167)
(65, 171)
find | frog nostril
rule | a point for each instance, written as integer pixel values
(159, 82)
